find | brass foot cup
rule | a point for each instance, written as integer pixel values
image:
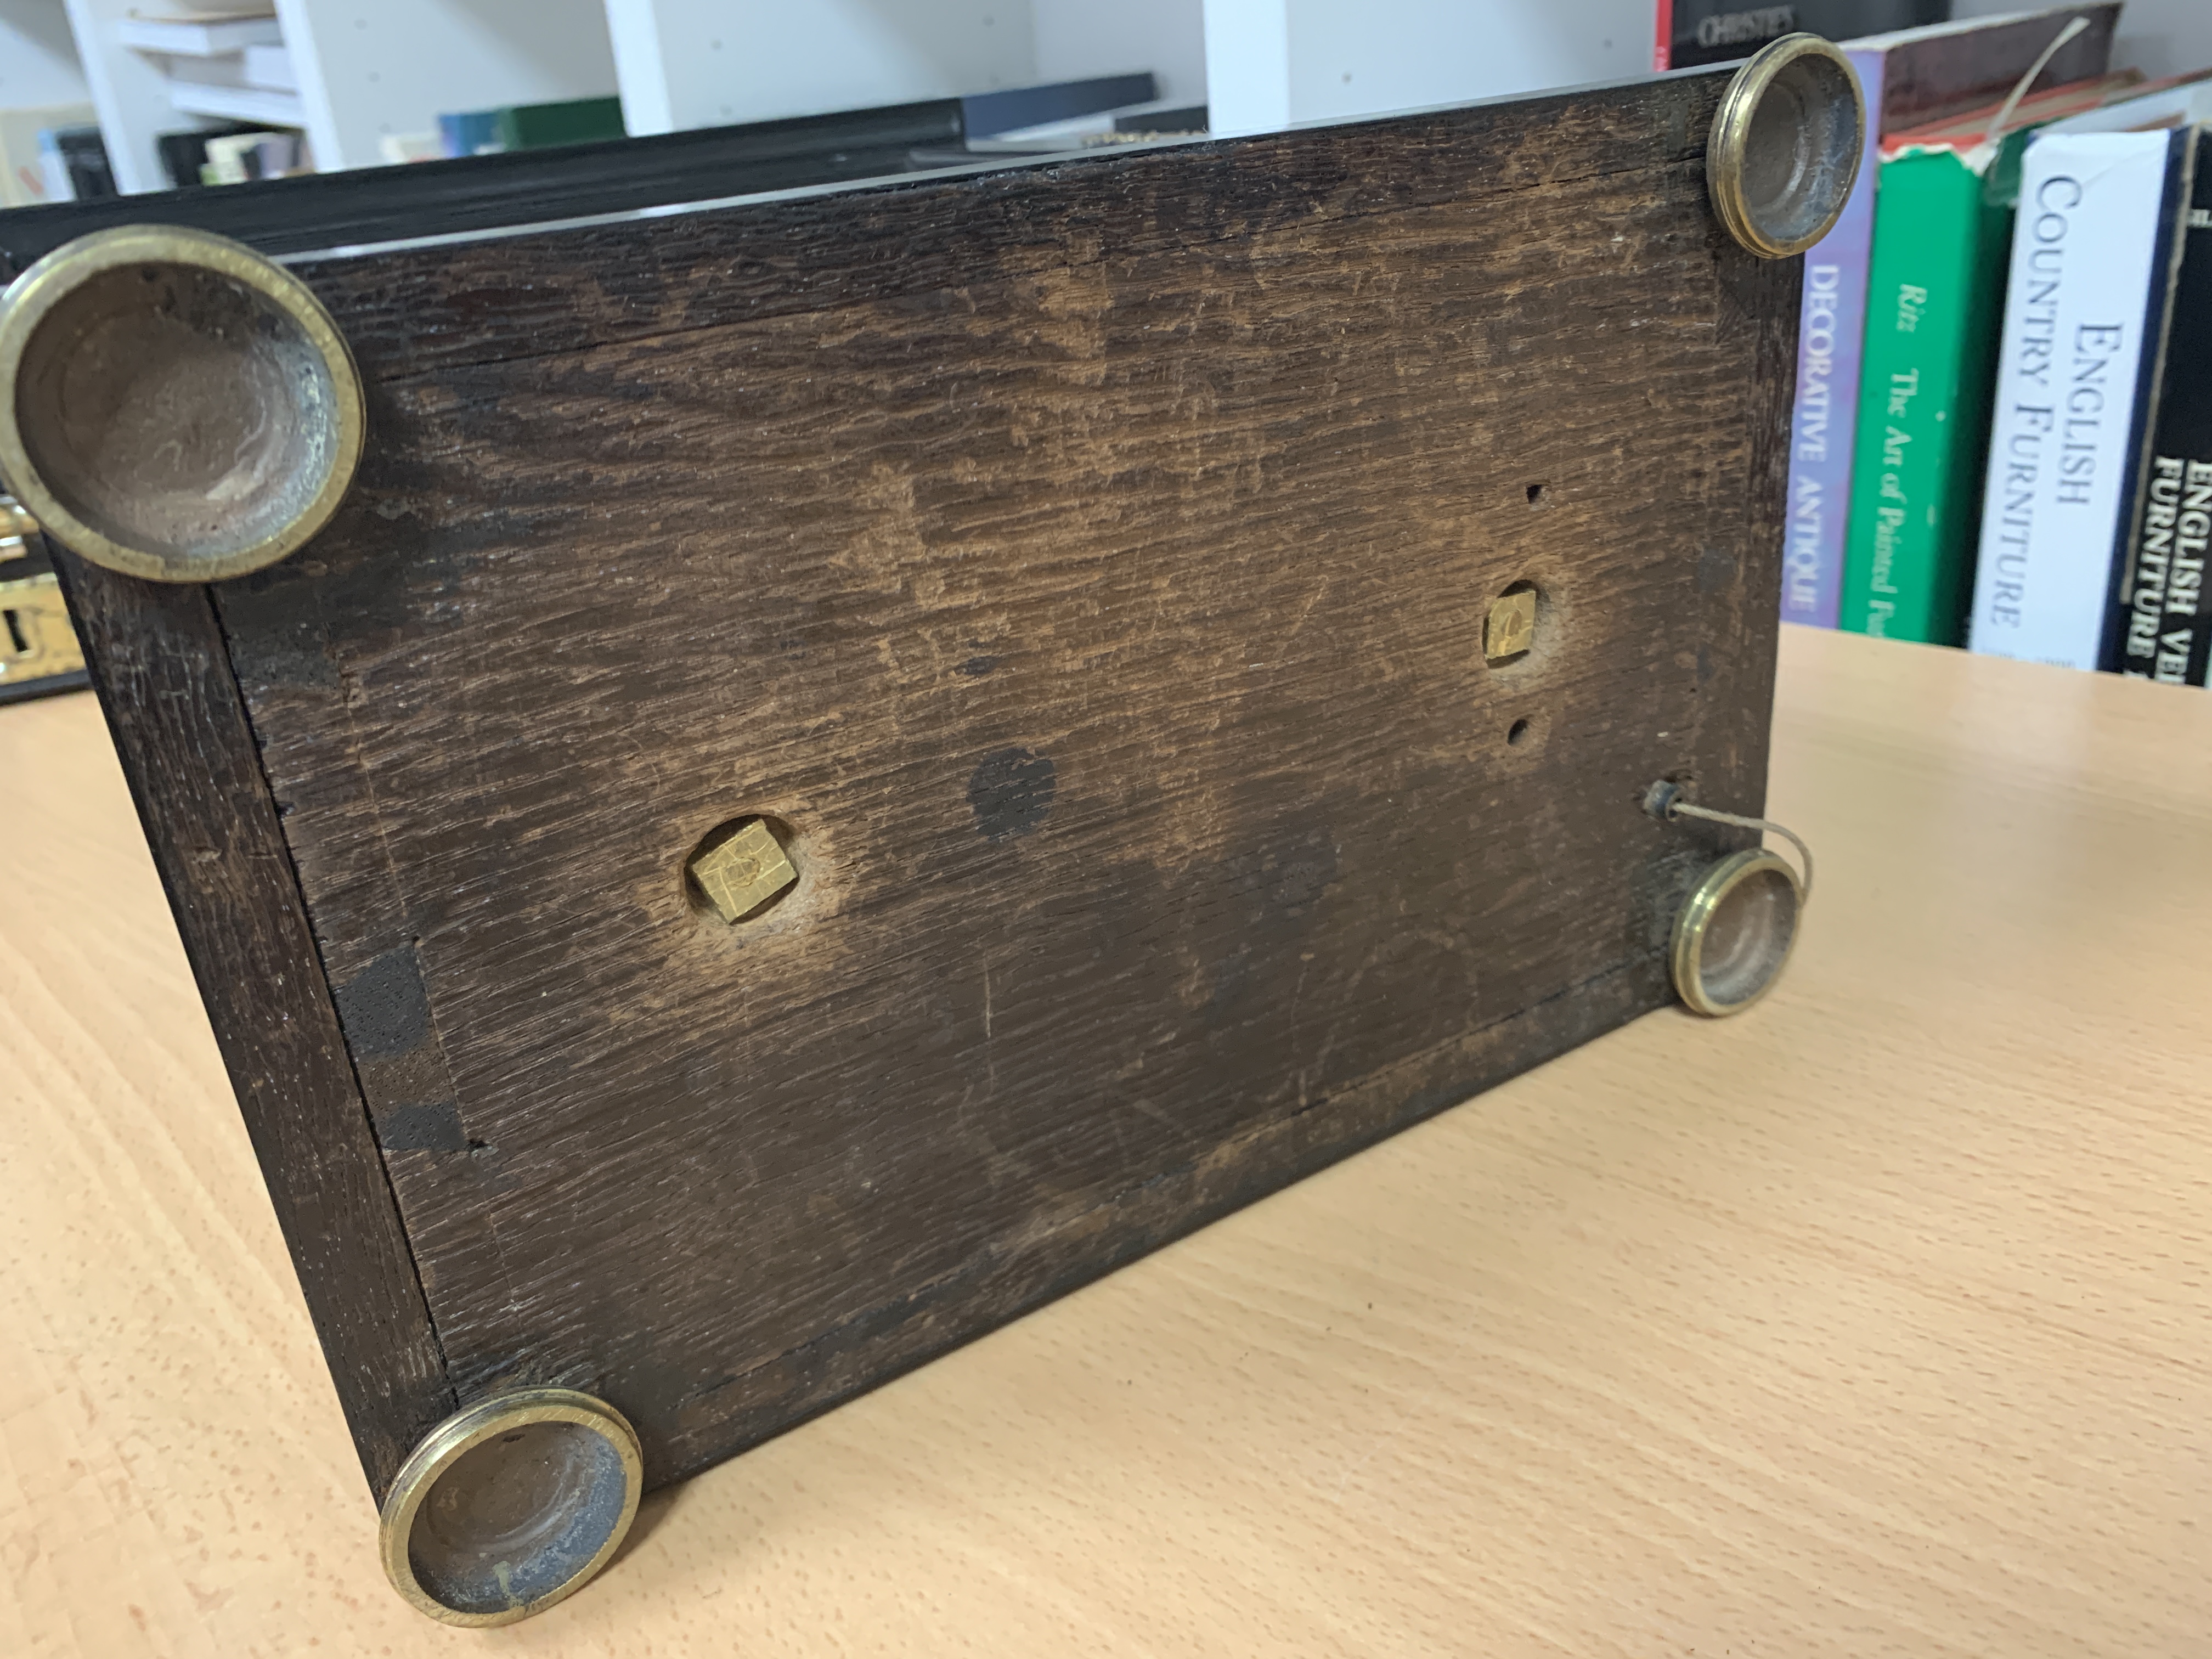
(1733, 934)
(172, 405)
(1785, 146)
(511, 1504)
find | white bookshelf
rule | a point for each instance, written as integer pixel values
(41, 86)
(1077, 39)
(368, 70)
(1270, 63)
(686, 63)
(352, 72)
(38, 58)
(348, 72)
(130, 90)
(226, 103)
(208, 67)
(196, 36)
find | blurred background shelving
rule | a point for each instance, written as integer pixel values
(365, 84)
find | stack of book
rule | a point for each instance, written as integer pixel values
(2002, 340)
(37, 147)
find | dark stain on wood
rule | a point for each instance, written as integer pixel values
(1087, 565)
(1011, 792)
(384, 1008)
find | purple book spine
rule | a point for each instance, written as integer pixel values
(1831, 329)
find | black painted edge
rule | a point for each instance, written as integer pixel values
(157, 658)
(476, 192)
(53, 684)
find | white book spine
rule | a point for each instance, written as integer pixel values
(2076, 304)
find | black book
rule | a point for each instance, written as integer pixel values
(471, 195)
(2160, 624)
(182, 154)
(1693, 32)
(84, 157)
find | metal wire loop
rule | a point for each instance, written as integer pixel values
(1665, 802)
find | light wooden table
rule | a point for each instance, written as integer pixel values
(1874, 1323)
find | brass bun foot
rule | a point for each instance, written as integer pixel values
(172, 405)
(1785, 145)
(1733, 934)
(510, 1505)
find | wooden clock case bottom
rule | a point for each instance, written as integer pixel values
(1083, 569)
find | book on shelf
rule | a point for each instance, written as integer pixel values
(530, 126)
(185, 155)
(74, 160)
(2158, 623)
(469, 132)
(576, 121)
(1019, 109)
(240, 158)
(1909, 77)
(1943, 218)
(1692, 32)
(1025, 120)
(2103, 198)
(22, 174)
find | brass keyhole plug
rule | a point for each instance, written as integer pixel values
(1510, 627)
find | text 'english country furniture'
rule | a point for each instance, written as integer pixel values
(757, 786)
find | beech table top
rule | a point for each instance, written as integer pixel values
(1877, 1320)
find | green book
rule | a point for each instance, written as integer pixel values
(1944, 200)
(581, 121)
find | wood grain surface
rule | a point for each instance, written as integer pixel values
(158, 661)
(1877, 1322)
(1089, 566)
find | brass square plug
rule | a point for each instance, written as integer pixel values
(1512, 628)
(742, 873)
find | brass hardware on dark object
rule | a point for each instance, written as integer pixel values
(739, 871)
(1106, 738)
(17, 527)
(510, 1505)
(1510, 627)
(1733, 934)
(173, 406)
(1785, 145)
(36, 640)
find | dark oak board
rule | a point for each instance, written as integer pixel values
(1086, 564)
(157, 658)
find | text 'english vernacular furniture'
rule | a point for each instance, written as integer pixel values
(753, 790)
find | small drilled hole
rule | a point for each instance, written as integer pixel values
(1516, 732)
(1538, 493)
